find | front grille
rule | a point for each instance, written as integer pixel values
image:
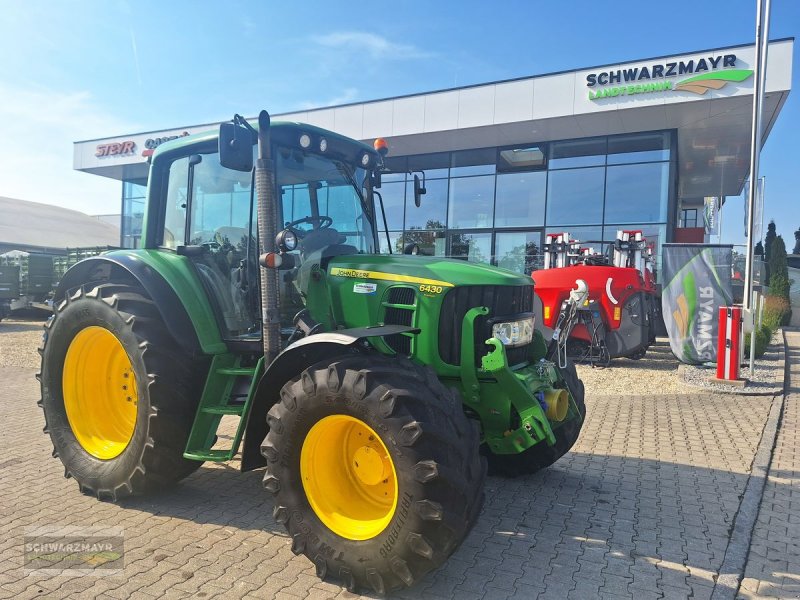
(401, 295)
(394, 315)
(398, 316)
(502, 301)
(399, 343)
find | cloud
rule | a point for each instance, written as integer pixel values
(375, 46)
(39, 126)
(347, 96)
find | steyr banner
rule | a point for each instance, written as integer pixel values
(697, 282)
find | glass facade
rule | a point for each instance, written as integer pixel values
(133, 202)
(494, 205)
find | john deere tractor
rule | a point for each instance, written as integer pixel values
(373, 387)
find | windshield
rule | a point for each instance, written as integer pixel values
(321, 199)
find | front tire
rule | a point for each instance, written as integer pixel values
(118, 394)
(541, 455)
(375, 470)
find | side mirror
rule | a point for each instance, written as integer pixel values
(419, 189)
(235, 147)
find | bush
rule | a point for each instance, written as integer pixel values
(779, 286)
(763, 336)
(777, 312)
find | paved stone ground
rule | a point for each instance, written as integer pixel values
(773, 564)
(641, 508)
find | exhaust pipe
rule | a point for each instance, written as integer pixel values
(557, 400)
(267, 230)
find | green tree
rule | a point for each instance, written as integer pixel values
(769, 238)
(778, 269)
(779, 276)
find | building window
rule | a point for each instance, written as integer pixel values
(471, 202)
(575, 196)
(637, 193)
(492, 204)
(587, 152)
(519, 251)
(133, 201)
(430, 242)
(432, 211)
(688, 217)
(480, 161)
(474, 247)
(636, 148)
(520, 199)
(393, 194)
(590, 237)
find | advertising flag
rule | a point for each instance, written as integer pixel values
(698, 282)
(711, 215)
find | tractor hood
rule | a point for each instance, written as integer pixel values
(421, 270)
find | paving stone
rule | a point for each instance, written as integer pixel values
(652, 478)
(771, 557)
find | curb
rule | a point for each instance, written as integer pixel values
(731, 572)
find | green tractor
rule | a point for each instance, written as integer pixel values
(372, 387)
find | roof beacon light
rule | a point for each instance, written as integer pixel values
(381, 146)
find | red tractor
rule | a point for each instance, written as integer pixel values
(618, 318)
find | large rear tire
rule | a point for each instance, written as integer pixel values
(375, 470)
(118, 394)
(541, 455)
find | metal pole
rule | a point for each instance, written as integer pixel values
(753, 335)
(759, 78)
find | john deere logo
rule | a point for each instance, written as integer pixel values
(639, 80)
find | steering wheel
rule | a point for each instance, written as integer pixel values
(322, 221)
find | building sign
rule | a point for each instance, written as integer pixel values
(710, 73)
(150, 144)
(116, 149)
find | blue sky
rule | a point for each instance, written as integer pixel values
(73, 71)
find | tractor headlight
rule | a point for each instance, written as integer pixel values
(514, 333)
(286, 240)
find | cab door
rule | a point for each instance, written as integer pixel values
(210, 218)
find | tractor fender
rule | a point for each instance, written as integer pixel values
(288, 365)
(100, 269)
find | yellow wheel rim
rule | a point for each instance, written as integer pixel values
(349, 477)
(99, 389)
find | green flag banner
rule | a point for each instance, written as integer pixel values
(698, 282)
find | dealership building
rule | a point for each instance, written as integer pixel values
(653, 144)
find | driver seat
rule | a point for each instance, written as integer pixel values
(319, 238)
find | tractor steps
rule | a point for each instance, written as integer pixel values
(223, 395)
